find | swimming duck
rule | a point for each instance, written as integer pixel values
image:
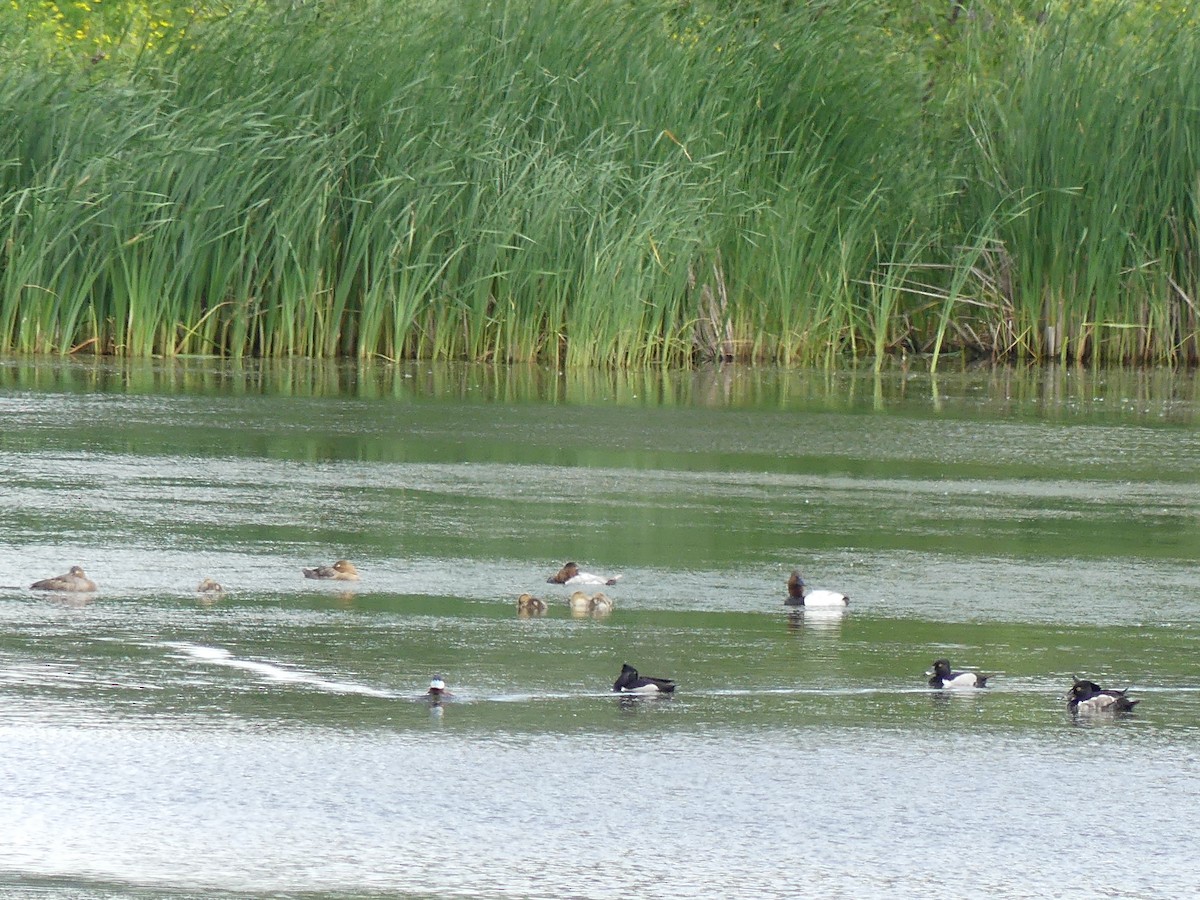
(530, 605)
(342, 570)
(437, 690)
(209, 586)
(630, 682)
(74, 581)
(600, 604)
(797, 596)
(944, 678)
(570, 574)
(1089, 697)
(579, 602)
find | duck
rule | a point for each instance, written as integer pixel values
(600, 604)
(570, 573)
(579, 602)
(1089, 697)
(798, 596)
(210, 586)
(530, 605)
(944, 678)
(437, 690)
(75, 581)
(342, 570)
(630, 682)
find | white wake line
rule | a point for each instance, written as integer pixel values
(219, 656)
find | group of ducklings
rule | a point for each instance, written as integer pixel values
(75, 581)
(580, 603)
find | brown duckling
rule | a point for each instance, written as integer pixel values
(600, 604)
(342, 570)
(528, 604)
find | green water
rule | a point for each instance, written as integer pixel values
(1034, 524)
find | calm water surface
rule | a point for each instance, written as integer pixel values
(275, 741)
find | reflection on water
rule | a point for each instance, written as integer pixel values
(279, 737)
(828, 621)
(990, 388)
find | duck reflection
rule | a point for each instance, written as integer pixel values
(816, 620)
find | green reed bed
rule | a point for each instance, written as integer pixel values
(582, 182)
(1091, 158)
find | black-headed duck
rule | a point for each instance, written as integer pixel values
(942, 677)
(571, 574)
(630, 682)
(799, 595)
(1089, 697)
(74, 581)
(342, 570)
(437, 690)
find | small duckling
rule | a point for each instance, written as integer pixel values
(600, 604)
(571, 574)
(579, 602)
(529, 605)
(75, 581)
(1089, 697)
(210, 586)
(942, 677)
(798, 595)
(630, 682)
(342, 570)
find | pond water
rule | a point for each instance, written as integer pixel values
(275, 740)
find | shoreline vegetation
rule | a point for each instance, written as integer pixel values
(581, 182)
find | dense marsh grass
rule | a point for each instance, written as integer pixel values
(585, 183)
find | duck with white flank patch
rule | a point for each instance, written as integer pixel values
(630, 682)
(944, 678)
(1089, 697)
(74, 581)
(570, 573)
(437, 690)
(342, 570)
(799, 595)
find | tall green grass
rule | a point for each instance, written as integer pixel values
(1090, 154)
(580, 182)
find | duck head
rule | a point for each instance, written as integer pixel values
(565, 574)
(941, 669)
(437, 688)
(1083, 690)
(795, 586)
